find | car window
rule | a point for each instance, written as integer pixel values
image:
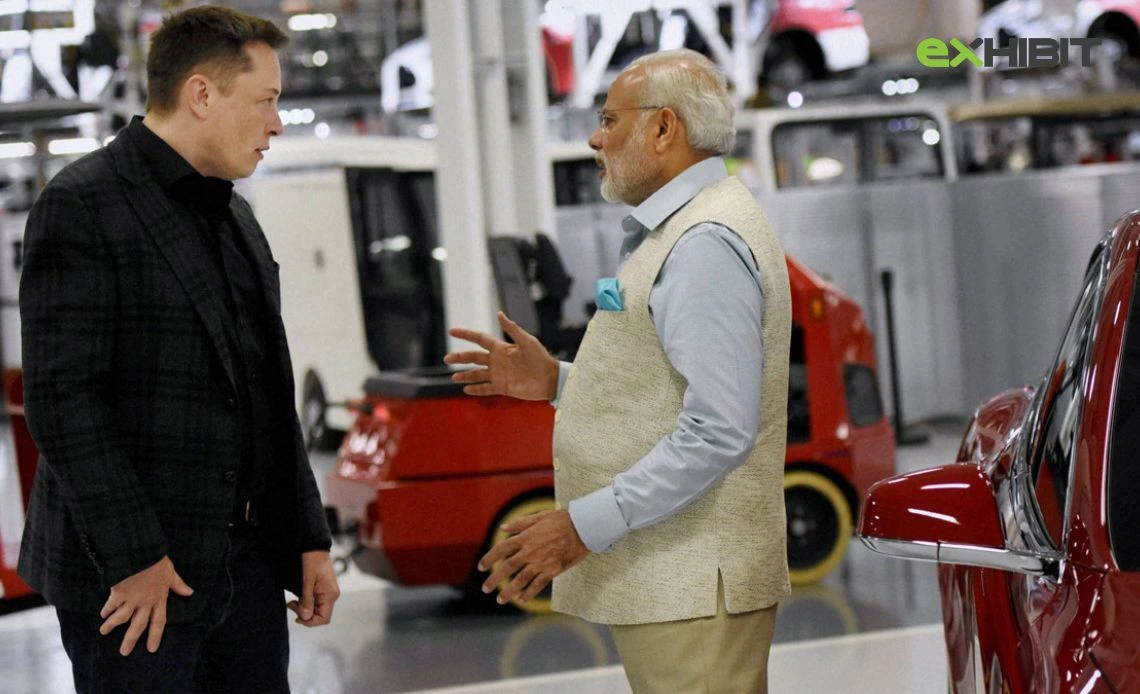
(1123, 470)
(816, 154)
(396, 233)
(1046, 142)
(1059, 417)
(857, 150)
(863, 401)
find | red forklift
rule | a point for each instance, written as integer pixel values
(18, 457)
(426, 475)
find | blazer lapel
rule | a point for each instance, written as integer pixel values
(254, 240)
(269, 277)
(176, 240)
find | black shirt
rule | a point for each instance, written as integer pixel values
(232, 274)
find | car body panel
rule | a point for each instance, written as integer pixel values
(815, 16)
(1074, 625)
(1117, 613)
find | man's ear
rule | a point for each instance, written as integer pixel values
(668, 129)
(196, 92)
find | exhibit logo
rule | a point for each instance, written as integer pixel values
(1020, 52)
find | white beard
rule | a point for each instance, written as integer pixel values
(630, 177)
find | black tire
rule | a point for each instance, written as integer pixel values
(819, 525)
(1115, 28)
(787, 70)
(1123, 49)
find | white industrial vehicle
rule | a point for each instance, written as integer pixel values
(353, 223)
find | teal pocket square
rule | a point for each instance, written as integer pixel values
(609, 294)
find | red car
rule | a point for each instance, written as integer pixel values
(1036, 527)
(427, 475)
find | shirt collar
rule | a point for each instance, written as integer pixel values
(166, 165)
(672, 196)
(177, 176)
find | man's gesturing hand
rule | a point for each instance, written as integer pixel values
(141, 600)
(319, 590)
(524, 370)
(540, 547)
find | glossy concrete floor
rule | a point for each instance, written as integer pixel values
(870, 626)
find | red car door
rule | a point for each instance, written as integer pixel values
(1039, 633)
(1028, 630)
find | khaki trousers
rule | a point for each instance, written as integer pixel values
(725, 654)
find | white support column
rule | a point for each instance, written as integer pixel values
(745, 58)
(526, 65)
(493, 116)
(703, 17)
(469, 295)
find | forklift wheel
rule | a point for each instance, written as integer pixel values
(540, 604)
(819, 525)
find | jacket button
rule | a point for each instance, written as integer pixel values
(231, 403)
(556, 465)
(230, 476)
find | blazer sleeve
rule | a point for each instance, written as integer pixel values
(68, 309)
(312, 523)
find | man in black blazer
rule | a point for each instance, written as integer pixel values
(174, 499)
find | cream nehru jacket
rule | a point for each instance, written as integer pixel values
(624, 396)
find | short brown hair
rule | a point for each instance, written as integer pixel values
(210, 39)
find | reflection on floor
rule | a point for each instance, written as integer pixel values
(888, 662)
(867, 627)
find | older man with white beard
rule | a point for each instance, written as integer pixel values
(670, 430)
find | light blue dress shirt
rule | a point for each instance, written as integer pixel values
(707, 307)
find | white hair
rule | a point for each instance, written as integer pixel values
(696, 90)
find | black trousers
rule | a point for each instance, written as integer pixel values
(239, 644)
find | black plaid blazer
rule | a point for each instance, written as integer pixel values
(130, 393)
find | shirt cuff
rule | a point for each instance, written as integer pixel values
(598, 519)
(563, 374)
